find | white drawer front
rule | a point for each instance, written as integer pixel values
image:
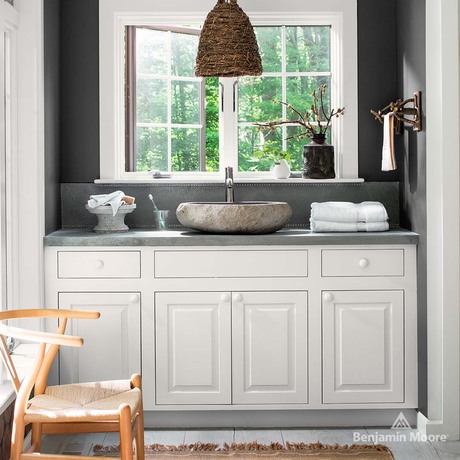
(362, 262)
(231, 264)
(99, 264)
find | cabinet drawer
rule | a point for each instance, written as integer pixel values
(230, 264)
(362, 262)
(99, 264)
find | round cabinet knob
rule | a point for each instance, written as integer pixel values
(99, 263)
(327, 296)
(225, 297)
(134, 298)
(237, 297)
(363, 263)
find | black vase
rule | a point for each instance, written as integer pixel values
(318, 159)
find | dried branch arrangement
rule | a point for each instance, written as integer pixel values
(314, 121)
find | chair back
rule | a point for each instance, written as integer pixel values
(49, 344)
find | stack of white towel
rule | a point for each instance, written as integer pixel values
(338, 216)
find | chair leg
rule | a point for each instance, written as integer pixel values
(136, 382)
(126, 434)
(140, 454)
(17, 439)
(37, 436)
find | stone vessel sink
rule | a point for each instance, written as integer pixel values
(244, 217)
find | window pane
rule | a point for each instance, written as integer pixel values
(185, 103)
(212, 124)
(250, 140)
(152, 101)
(299, 92)
(151, 52)
(152, 149)
(183, 53)
(185, 149)
(295, 147)
(308, 49)
(269, 41)
(255, 99)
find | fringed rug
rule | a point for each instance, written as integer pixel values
(256, 451)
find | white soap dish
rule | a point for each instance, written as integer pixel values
(109, 223)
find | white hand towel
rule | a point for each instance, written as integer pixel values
(115, 200)
(342, 211)
(320, 226)
(371, 211)
(388, 149)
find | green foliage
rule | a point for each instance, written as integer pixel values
(307, 49)
(271, 154)
(316, 119)
(212, 124)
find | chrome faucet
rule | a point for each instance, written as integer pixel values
(229, 197)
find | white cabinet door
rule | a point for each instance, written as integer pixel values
(269, 347)
(112, 348)
(363, 346)
(193, 347)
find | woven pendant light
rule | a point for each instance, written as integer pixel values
(228, 45)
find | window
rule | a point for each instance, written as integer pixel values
(165, 118)
(296, 60)
(172, 121)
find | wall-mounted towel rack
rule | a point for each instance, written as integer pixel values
(401, 111)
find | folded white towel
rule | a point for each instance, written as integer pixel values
(115, 200)
(324, 226)
(388, 149)
(342, 211)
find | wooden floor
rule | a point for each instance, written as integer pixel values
(83, 444)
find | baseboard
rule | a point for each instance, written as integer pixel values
(430, 427)
(277, 419)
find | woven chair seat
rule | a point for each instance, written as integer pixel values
(83, 402)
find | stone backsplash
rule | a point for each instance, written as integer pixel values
(74, 197)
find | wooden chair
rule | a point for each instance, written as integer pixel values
(76, 408)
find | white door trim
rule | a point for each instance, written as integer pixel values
(29, 181)
(443, 217)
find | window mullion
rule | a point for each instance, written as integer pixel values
(283, 83)
(169, 92)
(228, 121)
(203, 124)
(130, 101)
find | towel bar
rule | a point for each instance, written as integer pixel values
(400, 110)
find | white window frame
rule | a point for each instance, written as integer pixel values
(25, 157)
(8, 153)
(116, 14)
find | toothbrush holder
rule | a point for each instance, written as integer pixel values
(160, 218)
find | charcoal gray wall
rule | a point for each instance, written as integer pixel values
(377, 81)
(80, 90)
(52, 115)
(412, 166)
(80, 82)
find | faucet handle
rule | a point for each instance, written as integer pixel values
(229, 172)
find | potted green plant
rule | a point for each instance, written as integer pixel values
(314, 123)
(278, 158)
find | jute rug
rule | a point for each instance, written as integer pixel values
(255, 451)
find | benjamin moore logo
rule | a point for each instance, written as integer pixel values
(401, 423)
(402, 433)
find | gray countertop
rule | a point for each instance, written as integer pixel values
(183, 237)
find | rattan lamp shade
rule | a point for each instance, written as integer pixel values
(228, 45)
